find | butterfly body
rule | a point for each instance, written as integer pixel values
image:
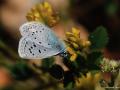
(38, 41)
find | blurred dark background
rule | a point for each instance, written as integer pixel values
(93, 13)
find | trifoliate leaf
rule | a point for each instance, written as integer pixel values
(99, 38)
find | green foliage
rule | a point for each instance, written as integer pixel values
(99, 38)
(81, 66)
(90, 61)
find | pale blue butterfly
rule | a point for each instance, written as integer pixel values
(38, 41)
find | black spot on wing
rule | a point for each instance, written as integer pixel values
(30, 51)
(44, 49)
(34, 45)
(39, 51)
(43, 29)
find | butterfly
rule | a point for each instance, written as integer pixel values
(38, 41)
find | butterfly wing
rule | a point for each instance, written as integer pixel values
(41, 34)
(28, 49)
(30, 27)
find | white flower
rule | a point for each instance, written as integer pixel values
(109, 65)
